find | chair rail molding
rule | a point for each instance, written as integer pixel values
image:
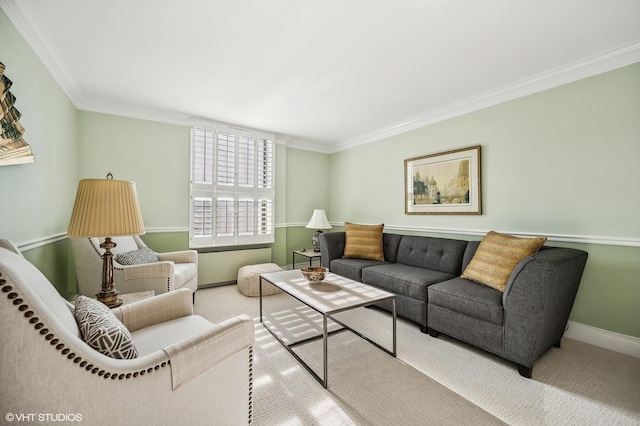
(566, 238)
(622, 343)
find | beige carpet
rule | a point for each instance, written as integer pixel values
(433, 381)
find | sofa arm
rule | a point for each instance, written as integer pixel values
(331, 247)
(191, 357)
(154, 310)
(538, 300)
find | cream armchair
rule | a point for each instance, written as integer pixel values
(172, 271)
(188, 370)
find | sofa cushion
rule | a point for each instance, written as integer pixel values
(468, 298)
(101, 330)
(390, 243)
(469, 252)
(438, 254)
(159, 336)
(351, 268)
(497, 256)
(137, 257)
(402, 279)
(363, 241)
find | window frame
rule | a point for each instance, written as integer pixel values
(257, 191)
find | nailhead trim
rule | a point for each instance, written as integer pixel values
(121, 269)
(90, 367)
(250, 384)
(59, 346)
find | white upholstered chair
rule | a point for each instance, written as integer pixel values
(172, 271)
(47, 368)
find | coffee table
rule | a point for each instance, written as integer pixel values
(333, 295)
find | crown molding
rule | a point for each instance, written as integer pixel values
(609, 61)
(129, 111)
(306, 145)
(142, 113)
(28, 25)
(616, 58)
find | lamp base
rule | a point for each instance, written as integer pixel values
(108, 293)
(315, 240)
(109, 298)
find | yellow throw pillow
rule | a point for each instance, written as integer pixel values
(363, 241)
(497, 256)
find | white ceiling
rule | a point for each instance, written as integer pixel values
(323, 75)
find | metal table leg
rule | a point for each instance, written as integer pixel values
(393, 305)
(325, 337)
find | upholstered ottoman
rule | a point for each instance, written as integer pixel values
(249, 280)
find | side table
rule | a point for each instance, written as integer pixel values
(134, 297)
(310, 254)
(128, 297)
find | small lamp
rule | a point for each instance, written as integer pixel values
(106, 208)
(318, 221)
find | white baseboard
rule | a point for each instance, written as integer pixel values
(622, 343)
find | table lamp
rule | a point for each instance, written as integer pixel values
(106, 208)
(318, 221)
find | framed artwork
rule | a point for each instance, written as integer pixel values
(13, 148)
(443, 183)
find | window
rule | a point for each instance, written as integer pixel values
(232, 186)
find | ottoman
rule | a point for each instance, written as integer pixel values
(249, 280)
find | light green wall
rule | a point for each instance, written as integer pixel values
(563, 162)
(36, 199)
(70, 145)
(156, 157)
(307, 179)
(307, 188)
(609, 293)
(153, 155)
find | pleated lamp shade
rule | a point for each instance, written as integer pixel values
(106, 208)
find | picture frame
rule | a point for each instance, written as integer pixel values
(13, 148)
(444, 183)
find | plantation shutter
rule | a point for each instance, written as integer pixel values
(232, 186)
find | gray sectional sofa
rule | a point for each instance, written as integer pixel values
(519, 325)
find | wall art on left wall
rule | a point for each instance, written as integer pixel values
(13, 149)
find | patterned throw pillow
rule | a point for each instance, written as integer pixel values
(137, 257)
(497, 256)
(363, 241)
(101, 330)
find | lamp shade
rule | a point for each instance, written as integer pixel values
(318, 220)
(106, 208)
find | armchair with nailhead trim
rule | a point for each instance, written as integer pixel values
(187, 370)
(168, 271)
